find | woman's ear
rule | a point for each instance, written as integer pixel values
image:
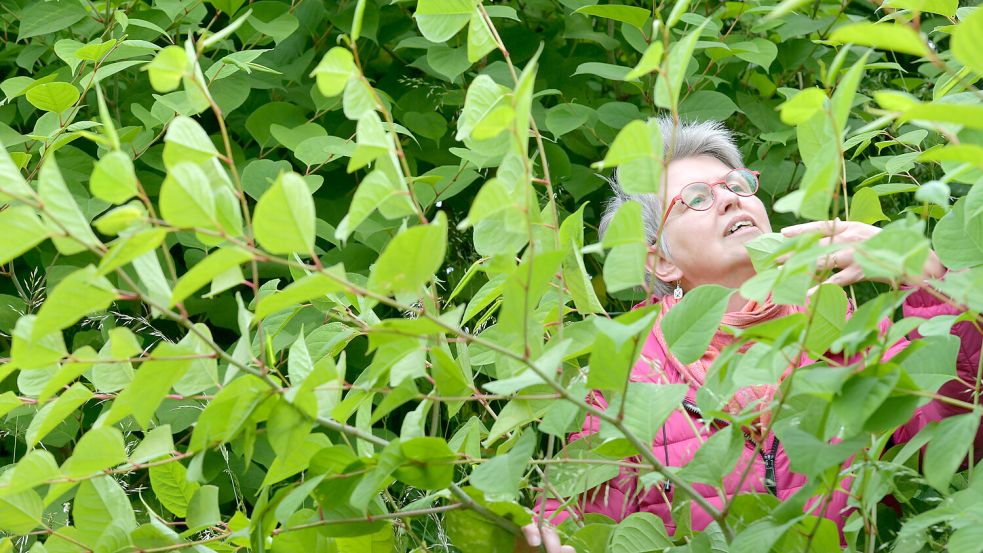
(664, 270)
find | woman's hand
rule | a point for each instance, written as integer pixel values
(847, 233)
(549, 539)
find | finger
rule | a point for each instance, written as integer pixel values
(551, 540)
(531, 532)
(824, 227)
(836, 260)
(845, 277)
(567, 549)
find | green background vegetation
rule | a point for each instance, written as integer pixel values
(276, 271)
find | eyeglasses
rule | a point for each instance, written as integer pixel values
(699, 196)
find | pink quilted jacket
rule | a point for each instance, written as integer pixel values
(771, 472)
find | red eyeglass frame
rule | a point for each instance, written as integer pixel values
(713, 197)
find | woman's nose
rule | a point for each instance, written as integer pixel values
(726, 199)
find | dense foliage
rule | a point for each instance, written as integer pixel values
(325, 276)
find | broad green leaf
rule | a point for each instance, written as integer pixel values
(78, 294)
(947, 450)
(203, 510)
(28, 353)
(101, 503)
(674, 71)
(896, 37)
(56, 97)
(21, 512)
(48, 17)
(827, 316)
(153, 380)
(224, 416)
(634, 16)
(647, 406)
(411, 258)
(429, 463)
(33, 469)
(61, 211)
(625, 227)
(690, 325)
(802, 106)
(640, 532)
(845, 92)
(624, 267)
(865, 206)
(186, 141)
(53, 413)
(707, 105)
(334, 70)
(199, 275)
(380, 541)
(949, 239)
(157, 443)
(186, 197)
(440, 20)
(372, 141)
(113, 179)
(481, 41)
(307, 288)
(965, 40)
(483, 96)
(616, 347)
(607, 71)
(941, 7)
(129, 247)
(284, 217)
(649, 62)
(564, 118)
(95, 50)
(500, 476)
(98, 449)
(378, 190)
(22, 231)
(120, 218)
(12, 183)
(172, 488)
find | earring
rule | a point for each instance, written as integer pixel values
(677, 293)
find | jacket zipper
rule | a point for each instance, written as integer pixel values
(771, 480)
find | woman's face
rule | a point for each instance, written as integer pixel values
(703, 248)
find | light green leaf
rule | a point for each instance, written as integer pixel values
(101, 503)
(77, 295)
(689, 326)
(634, 16)
(95, 50)
(624, 267)
(372, 141)
(284, 216)
(440, 20)
(947, 450)
(483, 96)
(380, 541)
(333, 72)
(186, 141)
(411, 258)
(865, 206)
(309, 287)
(802, 106)
(378, 190)
(113, 178)
(203, 508)
(707, 105)
(500, 476)
(640, 532)
(648, 405)
(129, 247)
(53, 413)
(564, 118)
(98, 449)
(896, 37)
(827, 316)
(480, 38)
(47, 18)
(966, 38)
(157, 443)
(671, 78)
(207, 269)
(33, 469)
(949, 239)
(55, 97)
(20, 513)
(650, 61)
(607, 71)
(27, 353)
(153, 380)
(186, 198)
(22, 231)
(63, 213)
(941, 7)
(172, 488)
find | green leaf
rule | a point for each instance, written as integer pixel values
(827, 313)
(21, 512)
(500, 476)
(634, 16)
(372, 142)
(12, 183)
(113, 179)
(157, 443)
(483, 96)
(78, 294)
(941, 7)
(56, 97)
(690, 325)
(98, 449)
(649, 62)
(896, 37)
(965, 40)
(759, 51)
(95, 50)
(648, 406)
(802, 106)
(429, 463)
(33, 469)
(333, 71)
(865, 206)
(640, 532)
(564, 118)
(47, 18)
(200, 274)
(411, 258)
(307, 288)
(284, 217)
(22, 231)
(707, 105)
(53, 413)
(380, 541)
(153, 380)
(203, 510)
(172, 488)
(129, 247)
(949, 239)
(186, 198)
(63, 213)
(671, 78)
(603, 70)
(481, 41)
(101, 503)
(440, 20)
(28, 353)
(947, 450)
(186, 141)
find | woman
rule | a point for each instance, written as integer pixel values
(701, 241)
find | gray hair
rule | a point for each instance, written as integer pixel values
(687, 139)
